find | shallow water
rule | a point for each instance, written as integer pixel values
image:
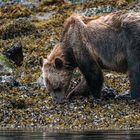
(68, 135)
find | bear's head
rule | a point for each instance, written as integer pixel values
(57, 73)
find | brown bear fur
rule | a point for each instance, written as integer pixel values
(110, 42)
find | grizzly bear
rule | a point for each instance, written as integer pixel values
(110, 42)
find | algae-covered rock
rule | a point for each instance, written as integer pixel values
(17, 28)
(6, 66)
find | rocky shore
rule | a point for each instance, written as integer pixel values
(29, 30)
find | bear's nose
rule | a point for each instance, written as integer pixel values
(58, 96)
(57, 89)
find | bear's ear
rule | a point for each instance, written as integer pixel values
(58, 63)
(41, 61)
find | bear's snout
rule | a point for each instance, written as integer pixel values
(58, 96)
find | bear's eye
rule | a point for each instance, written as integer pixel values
(58, 63)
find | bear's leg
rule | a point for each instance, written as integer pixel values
(133, 61)
(134, 73)
(90, 69)
(80, 89)
(83, 90)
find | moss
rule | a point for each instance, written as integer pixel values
(76, 74)
(6, 62)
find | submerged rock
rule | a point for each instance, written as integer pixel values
(17, 28)
(15, 53)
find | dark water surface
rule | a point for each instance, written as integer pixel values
(69, 135)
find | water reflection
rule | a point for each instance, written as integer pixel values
(66, 135)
